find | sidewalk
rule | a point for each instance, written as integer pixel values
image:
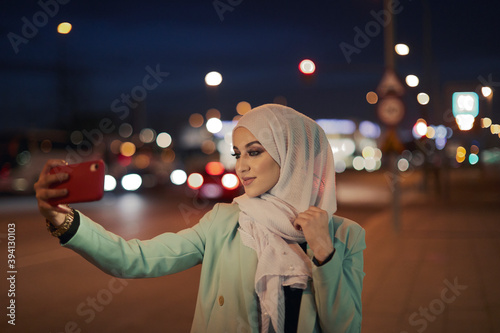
(441, 271)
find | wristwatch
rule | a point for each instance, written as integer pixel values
(58, 231)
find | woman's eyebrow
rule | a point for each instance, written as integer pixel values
(248, 144)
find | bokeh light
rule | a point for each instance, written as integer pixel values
(214, 125)
(461, 151)
(431, 132)
(230, 181)
(212, 113)
(486, 122)
(368, 152)
(196, 120)
(168, 156)
(214, 168)
(465, 121)
(46, 146)
(131, 182)
(195, 181)
(423, 98)
(473, 159)
(163, 140)
(127, 149)
(307, 66)
(402, 49)
(358, 163)
(64, 28)
(412, 80)
(420, 128)
(372, 97)
(142, 161)
(114, 146)
(369, 129)
(213, 79)
(147, 135)
(208, 147)
(403, 164)
(178, 177)
(109, 183)
(125, 130)
(486, 91)
(243, 107)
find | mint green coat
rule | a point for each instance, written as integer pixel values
(226, 300)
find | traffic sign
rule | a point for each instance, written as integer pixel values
(390, 84)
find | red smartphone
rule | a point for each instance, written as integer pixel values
(85, 182)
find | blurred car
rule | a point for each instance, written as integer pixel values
(215, 183)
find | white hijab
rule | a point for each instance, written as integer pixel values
(307, 178)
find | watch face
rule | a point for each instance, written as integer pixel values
(391, 110)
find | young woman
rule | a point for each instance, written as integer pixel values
(274, 260)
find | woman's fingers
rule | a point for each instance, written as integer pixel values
(52, 164)
(312, 215)
(45, 194)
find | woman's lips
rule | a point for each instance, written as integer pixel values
(248, 180)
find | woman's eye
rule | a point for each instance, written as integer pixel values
(254, 153)
(236, 155)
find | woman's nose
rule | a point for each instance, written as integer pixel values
(241, 165)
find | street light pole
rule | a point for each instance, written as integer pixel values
(389, 37)
(390, 66)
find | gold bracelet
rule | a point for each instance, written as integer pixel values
(58, 231)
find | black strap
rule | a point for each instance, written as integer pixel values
(293, 297)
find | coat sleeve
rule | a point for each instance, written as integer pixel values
(165, 254)
(338, 283)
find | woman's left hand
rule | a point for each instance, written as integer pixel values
(314, 223)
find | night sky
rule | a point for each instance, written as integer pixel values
(255, 45)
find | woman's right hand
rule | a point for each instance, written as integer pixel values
(54, 214)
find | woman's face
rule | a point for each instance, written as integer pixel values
(257, 170)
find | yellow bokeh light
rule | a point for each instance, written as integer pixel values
(243, 107)
(495, 129)
(460, 159)
(461, 152)
(371, 97)
(64, 28)
(486, 122)
(430, 132)
(127, 149)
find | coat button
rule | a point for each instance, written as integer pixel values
(221, 300)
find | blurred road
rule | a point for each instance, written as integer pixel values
(57, 291)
